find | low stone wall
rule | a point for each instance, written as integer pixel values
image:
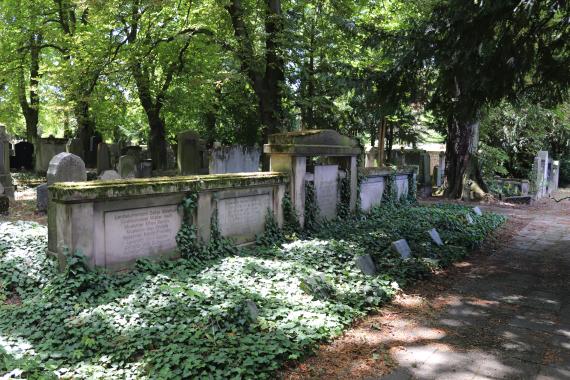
(374, 182)
(114, 223)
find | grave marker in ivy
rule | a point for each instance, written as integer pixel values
(366, 265)
(402, 248)
(477, 211)
(469, 219)
(435, 237)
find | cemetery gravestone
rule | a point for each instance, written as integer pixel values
(402, 248)
(234, 159)
(146, 168)
(191, 151)
(127, 166)
(326, 189)
(478, 211)
(366, 265)
(66, 167)
(469, 219)
(5, 177)
(109, 175)
(42, 197)
(75, 146)
(103, 158)
(24, 155)
(371, 191)
(435, 237)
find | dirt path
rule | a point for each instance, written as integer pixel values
(503, 314)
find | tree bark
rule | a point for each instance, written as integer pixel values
(31, 108)
(463, 173)
(381, 137)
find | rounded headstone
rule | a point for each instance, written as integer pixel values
(66, 167)
(127, 166)
(109, 175)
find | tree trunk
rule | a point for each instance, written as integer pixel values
(462, 171)
(85, 130)
(157, 143)
(381, 137)
(390, 140)
(31, 108)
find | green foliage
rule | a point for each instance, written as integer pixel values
(272, 235)
(312, 212)
(291, 224)
(192, 318)
(343, 205)
(390, 194)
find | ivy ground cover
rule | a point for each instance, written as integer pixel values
(240, 314)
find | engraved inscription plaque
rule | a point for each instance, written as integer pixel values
(143, 232)
(326, 188)
(243, 217)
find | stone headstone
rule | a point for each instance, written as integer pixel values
(115, 153)
(127, 166)
(109, 175)
(252, 310)
(1, 189)
(366, 265)
(469, 219)
(42, 197)
(24, 155)
(91, 155)
(4, 204)
(103, 158)
(234, 159)
(371, 190)
(326, 190)
(477, 211)
(46, 149)
(402, 248)
(145, 168)
(66, 167)
(191, 150)
(435, 237)
(5, 177)
(75, 146)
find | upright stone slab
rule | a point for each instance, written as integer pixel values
(115, 153)
(371, 191)
(366, 265)
(191, 150)
(434, 235)
(103, 158)
(46, 149)
(42, 197)
(326, 190)
(127, 166)
(66, 167)
(145, 168)
(477, 211)
(402, 248)
(75, 146)
(5, 177)
(234, 159)
(469, 219)
(24, 155)
(402, 188)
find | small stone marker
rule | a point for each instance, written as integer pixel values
(469, 219)
(109, 175)
(366, 265)
(252, 310)
(146, 168)
(66, 167)
(435, 237)
(401, 246)
(127, 166)
(477, 211)
(42, 197)
(103, 158)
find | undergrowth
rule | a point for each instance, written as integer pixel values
(220, 311)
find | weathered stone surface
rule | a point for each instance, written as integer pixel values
(103, 158)
(74, 146)
(477, 211)
(317, 286)
(42, 197)
(66, 167)
(402, 187)
(321, 142)
(402, 248)
(371, 190)
(234, 159)
(242, 214)
(143, 232)
(435, 237)
(109, 175)
(5, 177)
(127, 166)
(46, 150)
(191, 153)
(1, 189)
(469, 219)
(4, 204)
(326, 189)
(145, 168)
(366, 265)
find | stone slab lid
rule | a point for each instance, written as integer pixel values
(318, 142)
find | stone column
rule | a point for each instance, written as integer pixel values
(353, 183)
(296, 168)
(5, 177)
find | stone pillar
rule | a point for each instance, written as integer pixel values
(555, 175)
(103, 158)
(353, 183)
(5, 177)
(296, 168)
(542, 173)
